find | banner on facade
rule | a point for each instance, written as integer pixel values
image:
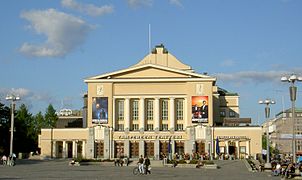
(200, 109)
(100, 110)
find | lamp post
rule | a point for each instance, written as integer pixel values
(293, 92)
(267, 102)
(13, 99)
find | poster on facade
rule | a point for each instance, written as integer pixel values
(200, 109)
(100, 110)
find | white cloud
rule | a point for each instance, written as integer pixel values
(89, 9)
(139, 3)
(252, 76)
(176, 3)
(64, 33)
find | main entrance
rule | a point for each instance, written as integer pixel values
(134, 149)
(149, 149)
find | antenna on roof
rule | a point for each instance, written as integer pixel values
(149, 41)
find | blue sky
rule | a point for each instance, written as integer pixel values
(48, 47)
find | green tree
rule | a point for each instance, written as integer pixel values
(39, 122)
(51, 117)
(4, 128)
(25, 137)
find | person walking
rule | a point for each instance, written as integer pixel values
(147, 164)
(141, 165)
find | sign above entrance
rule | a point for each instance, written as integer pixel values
(154, 137)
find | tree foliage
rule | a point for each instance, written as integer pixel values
(27, 128)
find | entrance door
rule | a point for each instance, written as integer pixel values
(59, 149)
(69, 148)
(200, 147)
(179, 147)
(149, 149)
(119, 149)
(134, 149)
(163, 145)
(99, 151)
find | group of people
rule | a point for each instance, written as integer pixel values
(10, 160)
(121, 161)
(144, 165)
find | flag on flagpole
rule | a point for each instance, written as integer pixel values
(217, 147)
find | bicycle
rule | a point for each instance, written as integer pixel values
(136, 171)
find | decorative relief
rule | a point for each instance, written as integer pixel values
(99, 90)
(199, 89)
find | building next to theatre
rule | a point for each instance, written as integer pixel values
(157, 106)
(281, 131)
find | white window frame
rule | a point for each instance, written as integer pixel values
(150, 109)
(120, 110)
(134, 110)
(179, 109)
(164, 109)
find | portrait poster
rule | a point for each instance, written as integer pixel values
(200, 109)
(100, 110)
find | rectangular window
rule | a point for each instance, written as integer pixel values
(164, 110)
(134, 127)
(149, 109)
(222, 113)
(232, 114)
(179, 127)
(149, 127)
(135, 110)
(164, 127)
(120, 127)
(179, 109)
(120, 109)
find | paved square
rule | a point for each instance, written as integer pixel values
(59, 169)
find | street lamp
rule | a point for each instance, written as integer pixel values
(12, 98)
(293, 92)
(267, 102)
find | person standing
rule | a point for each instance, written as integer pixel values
(204, 109)
(147, 164)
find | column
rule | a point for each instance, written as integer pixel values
(226, 147)
(54, 149)
(186, 112)
(156, 114)
(74, 146)
(127, 114)
(127, 148)
(238, 149)
(141, 148)
(247, 148)
(156, 149)
(64, 149)
(172, 147)
(172, 114)
(113, 114)
(142, 114)
(83, 149)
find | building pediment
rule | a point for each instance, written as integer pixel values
(149, 71)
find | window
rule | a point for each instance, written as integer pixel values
(134, 109)
(134, 127)
(164, 127)
(179, 127)
(149, 127)
(164, 109)
(149, 109)
(120, 127)
(179, 109)
(120, 109)
(222, 113)
(232, 114)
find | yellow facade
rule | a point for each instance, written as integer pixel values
(148, 109)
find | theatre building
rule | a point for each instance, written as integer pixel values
(157, 106)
